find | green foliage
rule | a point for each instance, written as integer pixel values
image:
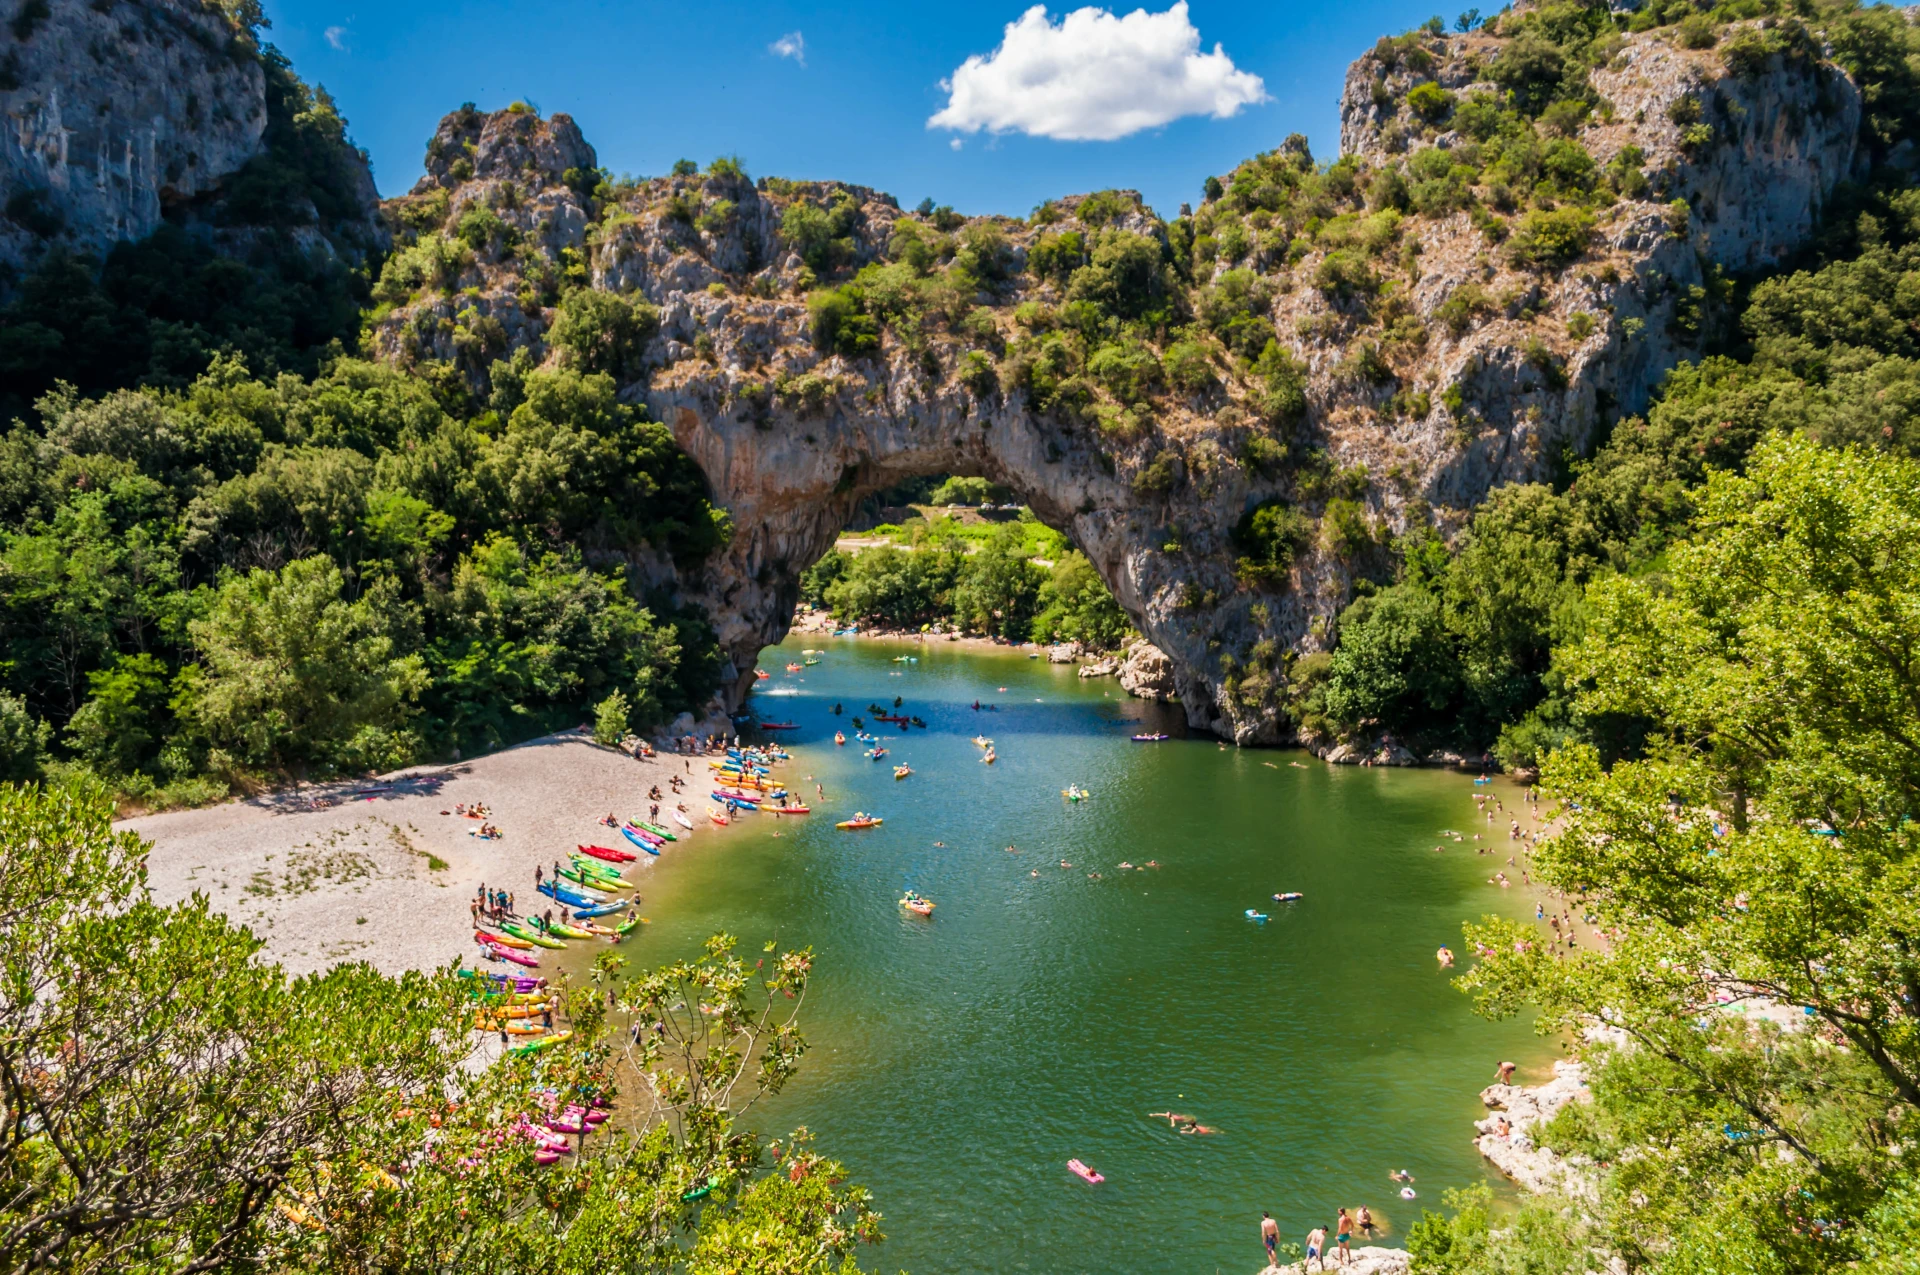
(1075, 605)
(840, 324)
(1430, 102)
(603, 332)
(1550, 240)
(1763, 659)
(212, 1106)
(1125, 277)
(822, 236)
(968, 491)
(610, 717)
(1269, 536)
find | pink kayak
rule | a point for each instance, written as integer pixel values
(568, 1123)
(508, 954)
(1081, 1169)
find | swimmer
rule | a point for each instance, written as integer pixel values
(1152, 863)
(1034, 873)
(1445, 957)
(1065, 864)
(1093, 876)
(1124, 867)
(1198, 1128)
(1013, 850)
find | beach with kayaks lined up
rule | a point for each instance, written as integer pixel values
(389, 870)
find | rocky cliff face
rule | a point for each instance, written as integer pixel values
(1456, 366)
(120, 113)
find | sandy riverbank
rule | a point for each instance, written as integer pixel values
(385, 876)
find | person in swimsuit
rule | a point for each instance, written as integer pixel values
(1270, 1236)
(1342, 1232)
(1365, 1218)
(1316, 1241)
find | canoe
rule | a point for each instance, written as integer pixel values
(531, 935)
(572, 898)
(571, 931)
(653, 839)
(545, 1042)
(719, 817)
(655, 829)
(788, 810)
(901, 772)
(637, 840)
(859, 823)
(592, 880)
(626, 927)
(499, 940)
(596, 871)
(920, 907)
(609, 854)
(680, 817)
(1085, 1172)
(600, 909)
(508, 954)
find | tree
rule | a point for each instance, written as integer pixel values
(1076, 606)
(1762, 852)
(1394, 667)
(604, 332)
(292, 675)
(176, 1103)
(610, 720)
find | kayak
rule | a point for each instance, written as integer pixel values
(917, 905)
(1150, 739)
(902, 771)
(609, 854)
(653, 839)
(637, 840)
(680, 817)
(789, 810)
(571, 931)
(779, 725)
(584, 899)
(626, 926)
(839, 738)
(519, 982)
(508, 954)
(1085, 1172)
(655, 829)
(719, 817)
(737, 798)
(599, 909)
(860, 821)
(1255, 916)
(597, 870)
(532, 935)
(593, 880)
(499, 940)
(545, 1042)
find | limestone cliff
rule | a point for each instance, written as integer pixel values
(1435, 354)
(120, 114)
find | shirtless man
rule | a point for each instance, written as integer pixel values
(1270, 1237)
(1316, 1246)
(1343, 1233)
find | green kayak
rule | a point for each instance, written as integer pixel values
(626, 927)
(576, 873)
(530, 934)
(597, 870)
(655, 829)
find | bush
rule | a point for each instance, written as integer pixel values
(1159, 476)
(1551, 239)
(1189, 366)
(1343, 275)
(840, 325)
(610, 719)
(1269, 537)
(605, 333)
(1430, 102)
(1128, 369)
(1696, 31)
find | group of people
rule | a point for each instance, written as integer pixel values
(1317, 1251)
(491, 905)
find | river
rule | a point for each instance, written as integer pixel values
(957, 1062)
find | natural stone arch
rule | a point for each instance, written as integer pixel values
(792, 482)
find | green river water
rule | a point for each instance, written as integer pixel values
(958, 1062)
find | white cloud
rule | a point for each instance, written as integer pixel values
(1094, 77)
(957, 143)
(337, 38)
(791, 45)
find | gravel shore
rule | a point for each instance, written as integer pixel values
(332, 873)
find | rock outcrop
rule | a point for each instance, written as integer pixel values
(1506, 1138)
(1471, 366)
(122, 114)
(1147, 673)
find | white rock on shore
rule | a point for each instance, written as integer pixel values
(1365, 1261)
(1515, 1153)
(1148, 673)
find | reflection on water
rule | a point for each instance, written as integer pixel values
(959, 1061)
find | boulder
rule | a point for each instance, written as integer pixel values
(1148, 673)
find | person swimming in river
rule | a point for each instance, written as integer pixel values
(1173, 1118)
(1065, 864)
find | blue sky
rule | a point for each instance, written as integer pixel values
(851, 98)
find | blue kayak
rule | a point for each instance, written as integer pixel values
(640, 841)
(601, 909)
(561, 894)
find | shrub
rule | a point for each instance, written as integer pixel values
(1264, 456)
(1346, 529)
(1269, 537)
(1696, 31)
(1468, 302)
(1129, 370)
(1580, 326)
(729, 168)
(602, 332)
(1343, 275)
(1549, 239)
(1430, 102)
(1102, 207)
(1159, 476)
(840, 325)
(977, 373)
(1189, 366)
(610, 719)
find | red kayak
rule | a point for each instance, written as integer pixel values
(609, 854)
(779, 725)
(788, 810)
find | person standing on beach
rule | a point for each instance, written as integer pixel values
(1270, 1236)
